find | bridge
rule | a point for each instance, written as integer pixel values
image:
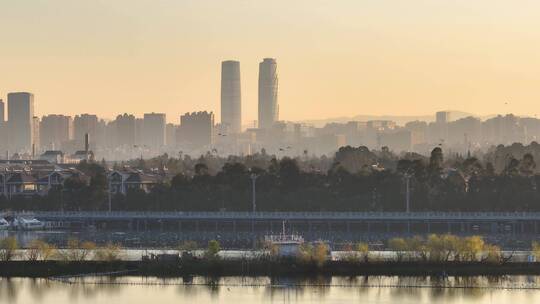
(347, 222)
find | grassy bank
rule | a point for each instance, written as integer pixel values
(270, 268)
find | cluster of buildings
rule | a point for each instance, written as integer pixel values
(28, 178)
(61, 138)
(65, 139)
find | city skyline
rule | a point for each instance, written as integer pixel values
(269, 151)
(349, 57)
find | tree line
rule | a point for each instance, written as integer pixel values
(354, 179)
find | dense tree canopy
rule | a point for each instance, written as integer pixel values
(356, 179)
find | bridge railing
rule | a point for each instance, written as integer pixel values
(282, 215)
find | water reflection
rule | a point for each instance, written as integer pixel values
(372, 289)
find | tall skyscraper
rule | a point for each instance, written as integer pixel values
(231, 96)
(268, 93)
(20, 120)
(153, 133)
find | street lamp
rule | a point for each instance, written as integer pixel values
(110, 194)
(253, 178)
(4, 190)
(407, 176)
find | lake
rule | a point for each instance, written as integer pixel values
(147, 290)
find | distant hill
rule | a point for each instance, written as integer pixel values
(400, 120)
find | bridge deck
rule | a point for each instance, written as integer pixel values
(332, 216)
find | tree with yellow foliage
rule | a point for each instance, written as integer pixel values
(77, 250)
(492, 254)
(399, 246)
(8, 248)
(39, 250)
(363, 250)
(320, 253)
(472, 247)
(109, 252)
(536, 250)
(417, 248)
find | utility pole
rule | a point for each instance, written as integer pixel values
(408, 192)
(110, 195)
(253, 177)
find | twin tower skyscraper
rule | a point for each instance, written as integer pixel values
(231, 96)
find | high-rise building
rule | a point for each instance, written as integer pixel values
(2, 115)
(442, 117)
(85, 124)
(3, 129)
(55, 130)
(20, 120)
(35, 127)
(268, 93)
(125, 130)
(154, 129)
(196, 129)
(170, 134)
(139, 129)
(231, 97)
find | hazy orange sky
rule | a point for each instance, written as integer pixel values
(335, 58)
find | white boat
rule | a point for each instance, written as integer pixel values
(21, 223)
(4, 225)
(287, 244)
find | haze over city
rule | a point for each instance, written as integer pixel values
(339, 58)
(269, 151)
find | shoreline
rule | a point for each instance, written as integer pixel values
(291, 268)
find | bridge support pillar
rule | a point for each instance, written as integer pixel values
(494, 227)
(535, 227)
(408, 227)
(428, 227)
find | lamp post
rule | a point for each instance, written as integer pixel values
(4, 190)
(110, 195)
(253, 178)
(408, 192)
